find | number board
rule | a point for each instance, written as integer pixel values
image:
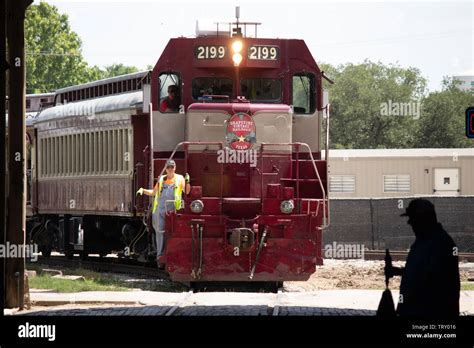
(210, 52)
(262, 52)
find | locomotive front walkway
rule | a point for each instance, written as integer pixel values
(148, 303)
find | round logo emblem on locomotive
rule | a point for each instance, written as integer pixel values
(241, 133)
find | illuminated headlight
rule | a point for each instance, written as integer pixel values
(287, 207)
(237, 46)
(197, 206)
(237, 58)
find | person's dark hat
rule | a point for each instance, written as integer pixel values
(173, 88)
(419, 207)
(170, 163)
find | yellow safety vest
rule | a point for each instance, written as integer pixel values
(178, 192)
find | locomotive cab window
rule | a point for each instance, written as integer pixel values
(261, 89)
(304, 101)
(211, 86)
(170, 92)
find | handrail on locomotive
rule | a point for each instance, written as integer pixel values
(326, 218)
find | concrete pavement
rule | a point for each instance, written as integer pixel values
(321, 302)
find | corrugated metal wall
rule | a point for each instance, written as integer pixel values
(376, 223)
(369, 174)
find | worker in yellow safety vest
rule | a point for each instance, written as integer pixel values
(167, 195)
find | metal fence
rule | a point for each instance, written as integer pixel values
(376, 223)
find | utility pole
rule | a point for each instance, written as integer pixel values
(3, 150)
(16, 203)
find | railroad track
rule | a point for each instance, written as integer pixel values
(402, 255)
(130, 266)
(106, 264)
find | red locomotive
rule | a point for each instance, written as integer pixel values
(248, 129)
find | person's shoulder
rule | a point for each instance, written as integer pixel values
(443, 235)
(180, 179)
(442, 241)
(164, 104)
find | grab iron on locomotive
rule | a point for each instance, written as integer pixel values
(246, 117)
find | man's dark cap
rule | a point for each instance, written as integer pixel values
(173, 88)
(419, 207)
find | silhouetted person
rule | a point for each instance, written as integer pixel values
(430, 280)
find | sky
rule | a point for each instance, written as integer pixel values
(433, 36)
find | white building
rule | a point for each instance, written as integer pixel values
(467, 79)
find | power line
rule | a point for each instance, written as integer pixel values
(52, 54)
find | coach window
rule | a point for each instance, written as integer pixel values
(211, 86)
(170, 92)
(304, 101)
(261, 89)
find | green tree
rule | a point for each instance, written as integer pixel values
(117, 70)
(443, 122)
(357, 100)
(53, 51)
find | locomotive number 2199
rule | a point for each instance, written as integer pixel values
(209, 52)
(263, 52)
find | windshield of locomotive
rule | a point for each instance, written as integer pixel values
(261, 89)
(211, 86)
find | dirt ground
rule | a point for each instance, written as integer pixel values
(335, 274)
(350, 274)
